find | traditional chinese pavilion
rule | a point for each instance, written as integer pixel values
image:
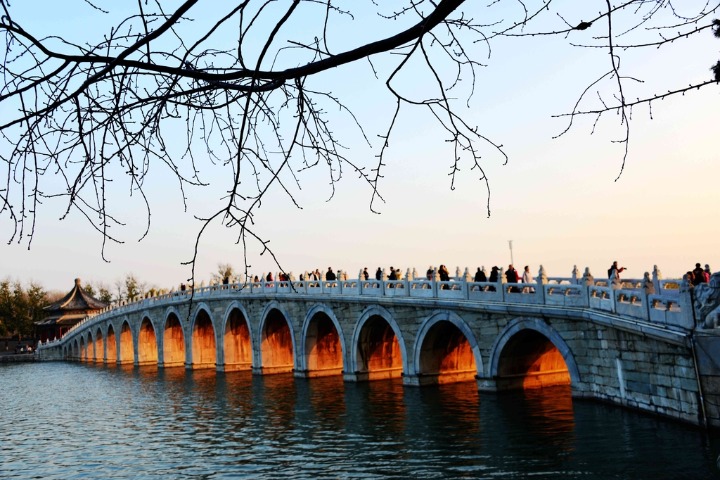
(66, 312)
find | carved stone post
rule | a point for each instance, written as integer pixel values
(656, 277)
(648, 284)
(541, 280)
(614, 281)
(575, 273)
(685, 301)
(466, 279)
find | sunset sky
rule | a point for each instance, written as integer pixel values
(557, 199)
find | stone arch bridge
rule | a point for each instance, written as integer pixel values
(624, 345)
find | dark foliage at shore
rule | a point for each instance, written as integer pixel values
(21, 306)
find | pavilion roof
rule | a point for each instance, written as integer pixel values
(76, 299)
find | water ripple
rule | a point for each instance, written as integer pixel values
(66, 421)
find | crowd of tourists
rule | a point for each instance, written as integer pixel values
(698, 275)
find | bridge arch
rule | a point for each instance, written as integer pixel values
(446, 350)
(99, 346)
(323, 341)
(237, 351)
(529, 353)
(111, 345)
(203, 353)
(277, 345)
(83, 349)
(90, 347)
(378, 348)
(172, 343)
(147, 342)
(127, 349)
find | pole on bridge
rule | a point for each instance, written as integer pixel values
(512, 260)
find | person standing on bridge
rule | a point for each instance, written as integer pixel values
(444, 273)
(512, 277)
(528, 278)
(614, 271)
(330, 275)
(698, 275)
(494, 278)
(365, 274)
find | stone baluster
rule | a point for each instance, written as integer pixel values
(466, 279)
(501, 283)
(575, 274)
(685, 302)
(457, 272)
(384, 274)
(656, 277)
(410, 275)
(614, 281)
(541, 280)
(435, 280)
(648, 284)
(361, 280)
(414, 274)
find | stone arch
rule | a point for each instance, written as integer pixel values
(529, 353)
(111, 345)
(127, 350)
(75, 349)
(99, 346)
(277, 342)
(378, 348)
(83, 349)
(147, 343)
(90, 346)
(446, 350)
(237, 339)
(204, 350)
(173, 343)
(323, 342)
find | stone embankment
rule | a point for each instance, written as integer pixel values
(17, 358)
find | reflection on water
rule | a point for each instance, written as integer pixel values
(85, 421)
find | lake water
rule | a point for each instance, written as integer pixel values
(70, 421)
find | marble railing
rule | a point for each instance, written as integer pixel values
(670, 307)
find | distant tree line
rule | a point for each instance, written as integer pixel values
(20, 307)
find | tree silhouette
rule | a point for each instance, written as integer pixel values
(241, 82)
